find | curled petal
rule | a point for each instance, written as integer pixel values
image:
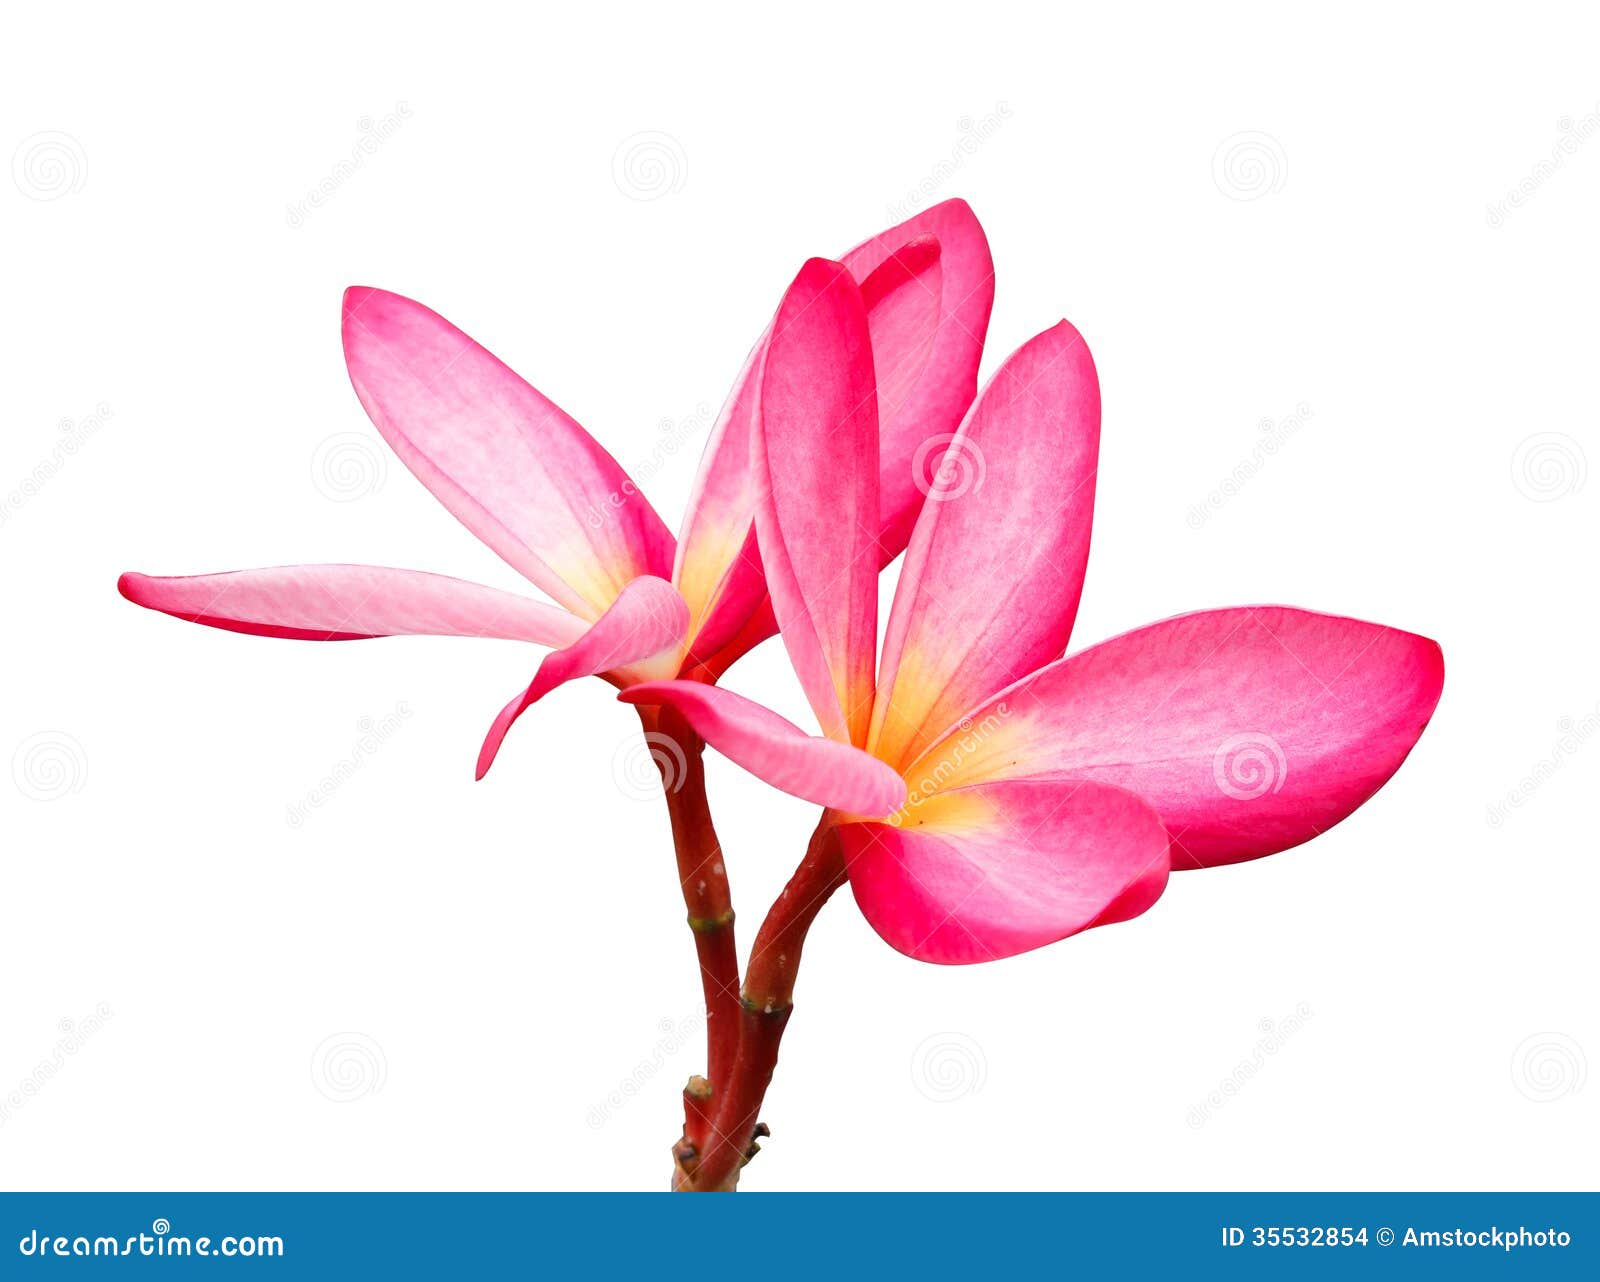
(778, 751)
(1249, 730)
(351, 602)
(982, 873)
(646, 622)
(928, 284)
(510, 465)
(916, 407)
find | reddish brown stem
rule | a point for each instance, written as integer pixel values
(765, 1006)
(677, 752)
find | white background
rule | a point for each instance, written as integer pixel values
(492, 962)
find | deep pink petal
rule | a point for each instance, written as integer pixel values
(510, 465)
(646, 622)
(778, 751)
(1249, 730)
(995, 567)
(817, 519)
(928, 285)
(932, 403)
(351, 602)
(991, 871)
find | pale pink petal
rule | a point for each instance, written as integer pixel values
(1249, 730)
(646, 622)
(982, 873)
(992, 578)
(510, 465)
(778, 751)
(817, 519)
(931, 404)
(351, 602)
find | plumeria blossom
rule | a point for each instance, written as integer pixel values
(630, 602)
(989, 796)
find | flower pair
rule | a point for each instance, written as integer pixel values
(988, 795)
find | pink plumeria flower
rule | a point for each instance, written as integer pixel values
(988, 795)
(631, 602)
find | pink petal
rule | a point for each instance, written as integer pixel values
(717, 568)
(350, 602)
(932, 403)
(982, 873)
(645, 622)
(992, 577)
(929, 285)
(718, 559)
(778, 751)
(1249, 730)
(817, 461)
(511, 466)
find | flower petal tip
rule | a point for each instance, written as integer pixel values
(497, 735)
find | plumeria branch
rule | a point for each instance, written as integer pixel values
(765, 1005)
(703, 876)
